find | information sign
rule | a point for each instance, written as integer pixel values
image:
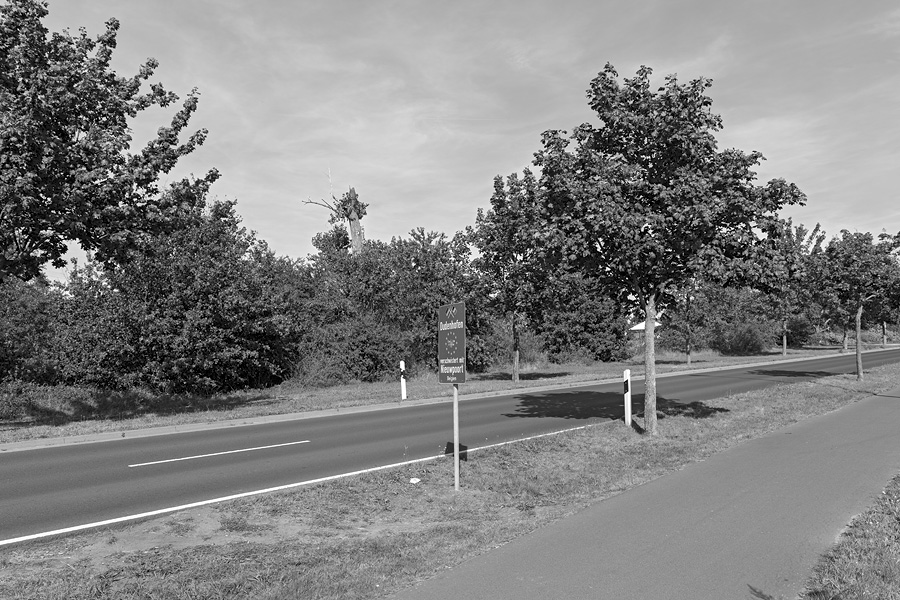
(452, 343)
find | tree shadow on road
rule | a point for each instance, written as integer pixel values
(776, 373)
(581, 404)
(505, 376)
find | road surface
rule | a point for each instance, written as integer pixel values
(54, 488)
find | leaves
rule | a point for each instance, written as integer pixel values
(645, 202)
(66, 172)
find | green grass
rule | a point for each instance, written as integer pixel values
(371, 535)
(34, 411)
(865, 563)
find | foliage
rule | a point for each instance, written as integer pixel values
(508, 258)
(688, 318)
(65, 169)
(27, 313)
(202, 309)
(387, 294)
(860, 276)
(578, 322)
(645, 202)
(787, 274)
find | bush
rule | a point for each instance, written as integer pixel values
(800, 331)
(352, 350)
(27, 314)
(743, 339)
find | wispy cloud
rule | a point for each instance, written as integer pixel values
(418, 105)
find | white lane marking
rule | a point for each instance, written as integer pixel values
(171, 509)
(159, 462)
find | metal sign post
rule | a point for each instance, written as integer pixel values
(452, 364)
(456, 437)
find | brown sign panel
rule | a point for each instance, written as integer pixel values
(452, 343)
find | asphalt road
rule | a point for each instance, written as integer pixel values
(49, 489)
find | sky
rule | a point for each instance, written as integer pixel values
(419, 104)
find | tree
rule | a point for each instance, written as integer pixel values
(786, 276)
(505, 238)
(644, 202)
(27, 317)
(65, 169)
(861, 274)
(203, 309)
(688, 317)
(348, 208)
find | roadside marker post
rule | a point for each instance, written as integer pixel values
(452, 364)
(402, 380)
(627, 379)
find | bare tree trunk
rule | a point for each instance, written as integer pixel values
(650, 367)
(515, 334)
(883, 334)
(859, 367)
(356, 233)
(688, 352)
(844, 342)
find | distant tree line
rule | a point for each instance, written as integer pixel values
(638, 217)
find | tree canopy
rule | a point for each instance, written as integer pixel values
(860, 274)
(644, 201)
(66, 172)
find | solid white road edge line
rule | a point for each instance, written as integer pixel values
(171, 509)
(159, 462)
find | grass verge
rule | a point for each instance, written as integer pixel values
(368, 536)
(865, 563)
(34, 411)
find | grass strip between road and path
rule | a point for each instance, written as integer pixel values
(369, 535)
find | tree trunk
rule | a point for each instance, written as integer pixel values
(356, 233)
(650, 367)
(844, 342)
(515, 334)
(883, 334)
(688, 352)
(859, 367)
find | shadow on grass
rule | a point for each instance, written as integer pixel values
(580, 404)
(504, 376)
(43, 405)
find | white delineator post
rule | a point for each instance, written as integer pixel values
(402, 380)
(627, 379)
(455, 437)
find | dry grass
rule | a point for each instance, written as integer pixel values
(67, 411)
(368, 536)
(865, 563)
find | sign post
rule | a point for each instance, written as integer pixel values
(452, 364)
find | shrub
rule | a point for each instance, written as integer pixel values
(743, 339)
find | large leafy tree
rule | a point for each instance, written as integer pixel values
(203, 309)
(645, 201)
(66, 172)
(862, 275)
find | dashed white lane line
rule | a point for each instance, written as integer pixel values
(170, 460)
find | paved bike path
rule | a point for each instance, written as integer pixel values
(755, 517)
